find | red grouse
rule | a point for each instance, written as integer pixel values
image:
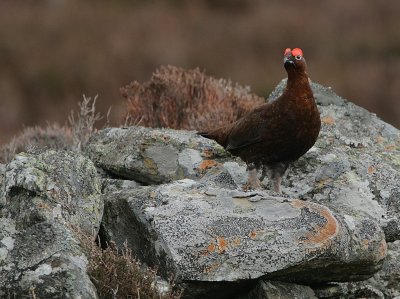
(277, 133)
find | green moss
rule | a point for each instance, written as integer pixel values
(150, 165)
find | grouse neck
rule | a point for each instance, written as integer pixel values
(298, 81)
(297, 88)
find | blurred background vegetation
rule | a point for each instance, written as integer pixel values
(53, 51)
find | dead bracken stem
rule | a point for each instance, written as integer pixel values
(107, 124)
(8, 152)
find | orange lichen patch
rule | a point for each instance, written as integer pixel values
(222, 244)
(365, 244)
(322, 183)
(150, 165)
(379, 139)
(206, 164)
(383, 249)
(323, 234)
(236, 242)
(208, 153)
(43, 205)
(371, 169)
(211, 268)
(297, 203)
(211, 247)
(253, 234)
(328, 120)
(390, 148)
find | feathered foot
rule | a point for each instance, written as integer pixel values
(253, 182)
(275, 171)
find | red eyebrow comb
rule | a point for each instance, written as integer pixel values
(287, 52)
(297, 52)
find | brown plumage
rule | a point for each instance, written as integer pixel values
(276, 133)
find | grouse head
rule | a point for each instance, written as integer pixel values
(294, 61)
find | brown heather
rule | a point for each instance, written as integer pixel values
(187, 99)
(116, 274)
(37, 138)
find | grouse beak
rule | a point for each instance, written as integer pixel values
(288, 63)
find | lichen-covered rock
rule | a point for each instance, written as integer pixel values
(384, 284)
(205, 233)
(54, 185)
(7, 232)
(354, 165)
(49, 197)
(42, 261)
(279, 290)
(153, 156)
(109, 185)
(2, 186)
(388, 279)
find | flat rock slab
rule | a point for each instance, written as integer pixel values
(204, 233)
(153, 156)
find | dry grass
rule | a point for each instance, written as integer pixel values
(187, 99)
(81, 125)
(116, 274)
(82, 122)
(36, 139)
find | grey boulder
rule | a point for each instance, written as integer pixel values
(384, 284)
(42, 261)
(51, 197)
(205, 233)
(54, 185)
(279, 290)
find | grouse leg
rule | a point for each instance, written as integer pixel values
(277, 172)
(253, 181)
(264, 173)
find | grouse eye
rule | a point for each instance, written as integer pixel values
(298, 57)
